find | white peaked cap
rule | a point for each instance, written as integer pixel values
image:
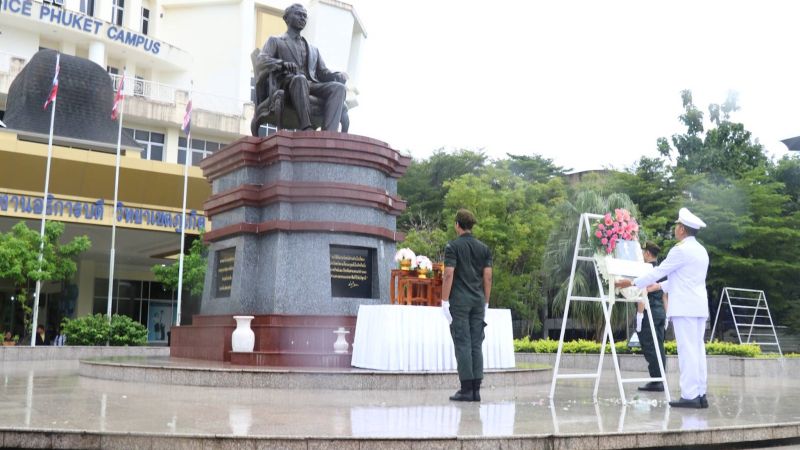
(690, 220)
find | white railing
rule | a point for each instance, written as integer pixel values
(165, 93)
(148, 89)
(6, 59)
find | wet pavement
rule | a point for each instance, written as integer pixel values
(51, 395)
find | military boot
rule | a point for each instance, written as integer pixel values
(465, 393)
(476, 390)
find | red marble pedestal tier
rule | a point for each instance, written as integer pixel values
(281, 340)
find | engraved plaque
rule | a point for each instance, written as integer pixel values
(351, 271)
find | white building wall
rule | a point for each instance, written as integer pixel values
(330, 29)
(18, 42)
(212, 35)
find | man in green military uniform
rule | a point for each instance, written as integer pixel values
(658, 309)
(466, 289)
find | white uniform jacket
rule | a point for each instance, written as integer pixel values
(685, 267)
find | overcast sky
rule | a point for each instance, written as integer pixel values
(590, 84)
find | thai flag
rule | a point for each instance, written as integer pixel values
(118, 98)
(54, 90)
(187, 119)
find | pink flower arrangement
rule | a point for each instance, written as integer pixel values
(612, 228)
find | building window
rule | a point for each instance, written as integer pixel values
(145, 20)
(253, 90)
(138, 86)
(152, 143)
(54, 2)
(117, 11)
(87, 7)
(200, 149)
(267, 130)
(148, 302)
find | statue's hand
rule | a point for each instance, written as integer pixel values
(290, 67)
(342, 77)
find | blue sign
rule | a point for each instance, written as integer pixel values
(93, 212)
(74, 20)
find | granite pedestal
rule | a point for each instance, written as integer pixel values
(303, 232)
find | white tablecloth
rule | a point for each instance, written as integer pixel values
(417, 338)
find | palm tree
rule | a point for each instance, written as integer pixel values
(558, 261)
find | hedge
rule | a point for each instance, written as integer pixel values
(525, 345)
(95, 330)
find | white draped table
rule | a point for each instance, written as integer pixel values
(417, 338)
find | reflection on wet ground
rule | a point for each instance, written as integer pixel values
(51, 395)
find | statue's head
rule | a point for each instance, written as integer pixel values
(295, 16)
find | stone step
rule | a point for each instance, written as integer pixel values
(291, 359)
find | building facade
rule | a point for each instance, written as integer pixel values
(170, 51)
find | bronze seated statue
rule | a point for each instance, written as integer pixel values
(272, 105)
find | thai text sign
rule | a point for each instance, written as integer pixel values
(351, 271)
(97, 212)
(224, 276)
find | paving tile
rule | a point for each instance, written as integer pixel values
(332, 444)
(29, 439)
(76, 440)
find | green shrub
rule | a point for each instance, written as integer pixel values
(731, 349)
(125, 331)
(525, 345)
(95, 330)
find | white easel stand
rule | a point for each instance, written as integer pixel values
(616, 268)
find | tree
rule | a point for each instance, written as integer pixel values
(194, 269)
(650, 186)
(787, 171)
(750, 203)
(558, 260)
(724, 152)
(514, 220)
(423, 186)
(752, 241)
(534, 168)
(19, 259)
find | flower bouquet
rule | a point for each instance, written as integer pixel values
(404, 257)
(423, 265)
(611, 229)
(616, 233)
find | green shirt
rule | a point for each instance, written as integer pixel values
(468, 256)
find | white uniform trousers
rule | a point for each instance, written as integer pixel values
(690, 335)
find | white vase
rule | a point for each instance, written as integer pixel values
(341, 345)
(243, 339)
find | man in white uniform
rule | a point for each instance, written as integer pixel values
(685, 267)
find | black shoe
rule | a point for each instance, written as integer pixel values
(653, 386)
(476, 390)
(703, 401)
(465, 393)
(695, 403)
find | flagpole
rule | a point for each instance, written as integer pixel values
(186, 163)
(120, 87)
(35, 318)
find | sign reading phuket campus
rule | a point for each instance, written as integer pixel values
(351, 272)
(74, 20)
(97, 212)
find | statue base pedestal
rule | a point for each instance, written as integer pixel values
(280, 340)
(303, 224)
